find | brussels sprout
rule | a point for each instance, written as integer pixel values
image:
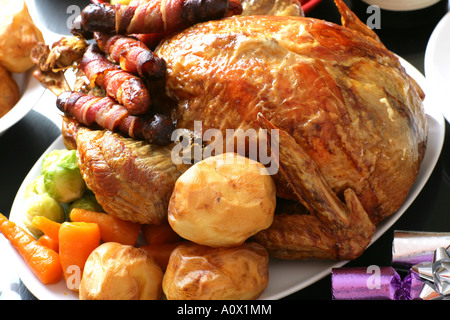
(51, 158)
(40, 203)
(62, 177)
(35, 187)
(88, 202)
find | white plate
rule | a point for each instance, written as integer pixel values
(437, 65)
(30, 91)
(286, 277)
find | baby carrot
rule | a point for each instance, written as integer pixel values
(44, 262)
(76, 242)
(112, 229)
(47, 226)
(45, 240)
(158, 234)
(161, 252)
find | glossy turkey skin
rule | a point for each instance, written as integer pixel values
(345, 106)
(343, 96)
(132, 180)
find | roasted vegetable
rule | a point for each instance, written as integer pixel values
(44, 262)
(49, 227)
(120, 272)
(87, 202)
(39, 203)
(159, 234)
(161, 252)
(9, 91)
(62, 177)
(18, 35)
(197, 272)
(222, 201)
(76, 242)
(112, 229)
(48, 242)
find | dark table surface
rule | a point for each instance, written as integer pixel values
(25, 142)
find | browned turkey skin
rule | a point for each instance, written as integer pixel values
(353, 128)
(131, 179)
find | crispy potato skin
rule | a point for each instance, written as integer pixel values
(9, 91)
(115, 271)
(197, 272)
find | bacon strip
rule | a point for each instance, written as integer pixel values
(108, 114)
(151, 40)
(129, 90)
(155, 16)
(132, 55)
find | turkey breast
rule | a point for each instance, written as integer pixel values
(343, 97)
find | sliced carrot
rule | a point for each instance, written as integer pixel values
(76, 242)
(158, 234)
(47, 226)
(112, 229)
(44, 262)
(161, 252)
(49, 242)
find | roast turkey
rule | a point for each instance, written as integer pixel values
(346, 126)
(353, 130)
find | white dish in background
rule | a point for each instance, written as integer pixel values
(437, 65)
(30, 91)
(286, 277)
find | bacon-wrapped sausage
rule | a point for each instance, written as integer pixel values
(108, 114)
(78, 30)
(155, 16)
(151, 40)
(132, 55)
(127, 89)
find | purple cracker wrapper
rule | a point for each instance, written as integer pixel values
(374, 283)
(371, 283)
(425, 255)
(412, 248)
(411, 288)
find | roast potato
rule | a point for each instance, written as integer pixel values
(18, 35)
(222, 201)
(197, 272)
(9, 91)
(115, 271)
